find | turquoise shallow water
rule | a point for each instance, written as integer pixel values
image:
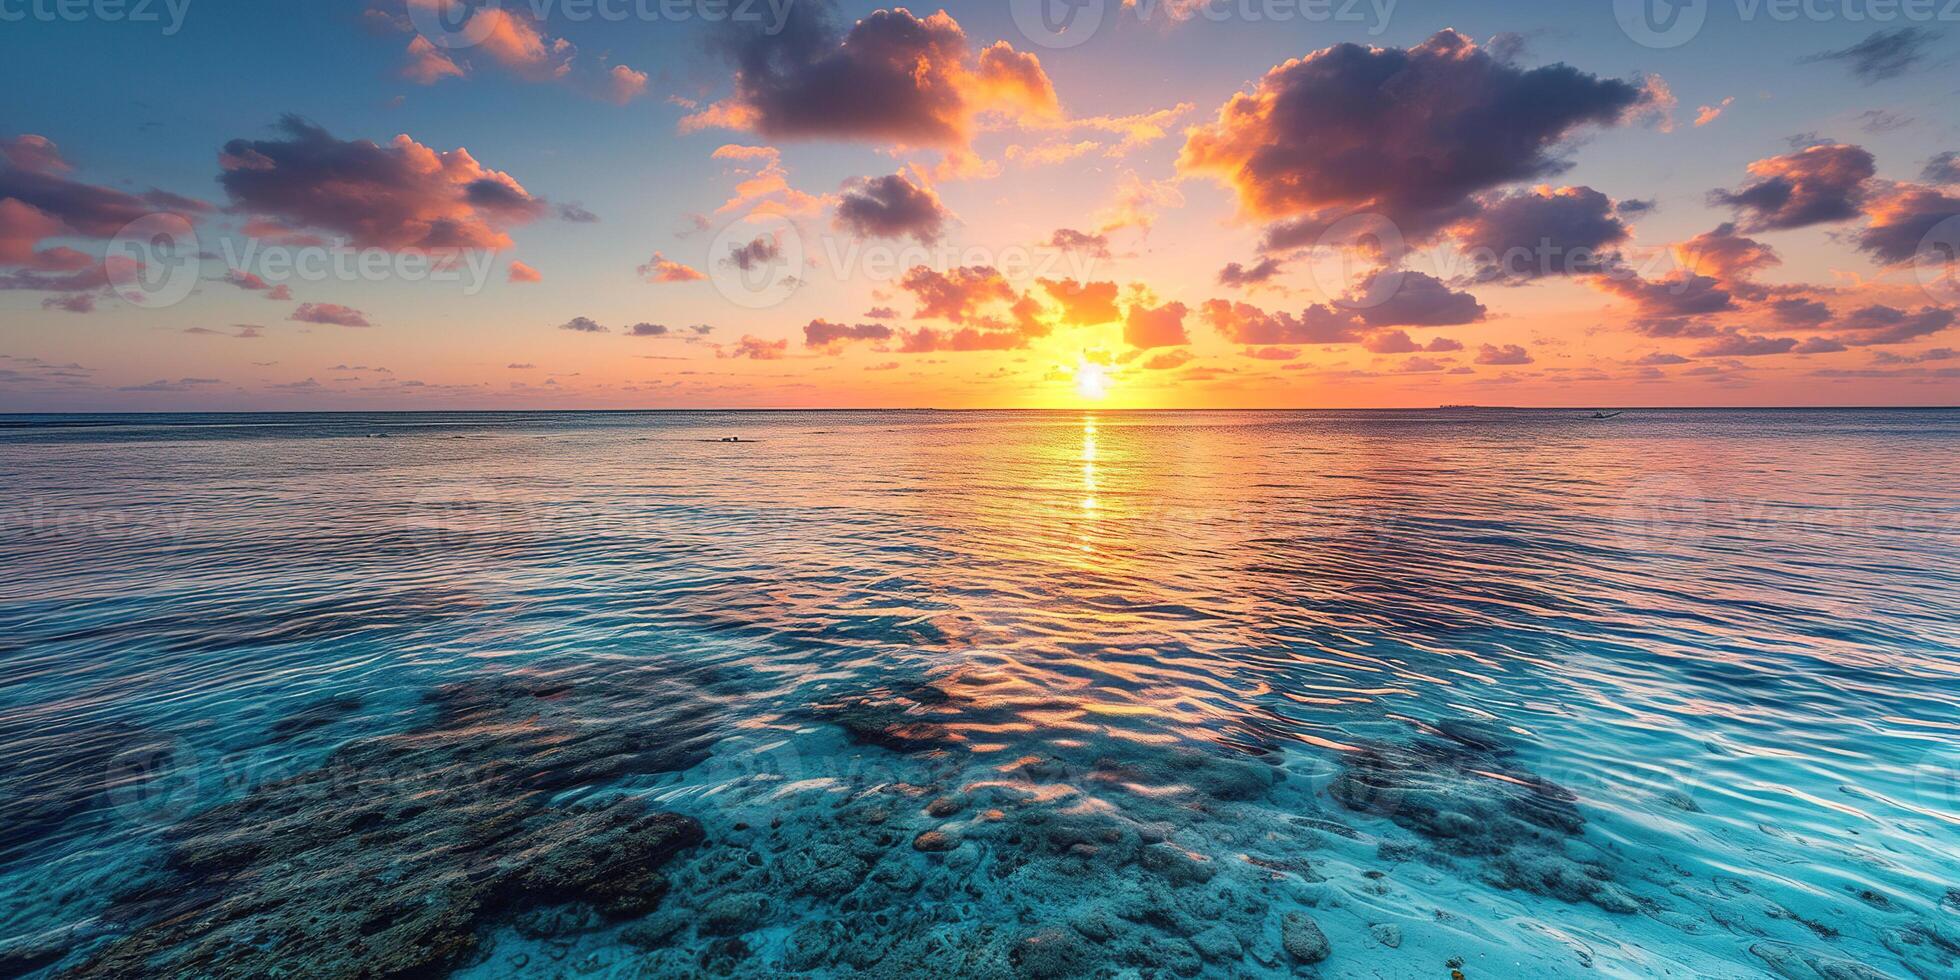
(1032, 694)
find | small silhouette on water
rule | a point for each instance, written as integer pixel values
(1607, 415)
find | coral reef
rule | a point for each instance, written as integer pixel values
(393, 856)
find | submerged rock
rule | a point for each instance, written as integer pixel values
(393, 856)
(1302, 939)
(1052, 953)
(1793, 963)
(1176, 864)
(934, 841)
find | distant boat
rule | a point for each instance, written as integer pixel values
(1607, 415)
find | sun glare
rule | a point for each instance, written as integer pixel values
(1091, 381)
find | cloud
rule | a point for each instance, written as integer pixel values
(1084, 304)
(891, 207)
(1820, 345)
(1070, 240)
(1162, 326)
(1726, 255)
(761, 250)
(1881, 56)
(1398, 298)
(1799, 312)
(623, 85)
(520, 272)
(332, 314)
(647, 330)
(659, 268)
(399, 197)
(1735, 343)
(892, 77)
(1660, 358)
(35, 154)
(73, 303)
(1507, 354)
(166, 385)
(1815, 185)
(1137, 202)
(427, 64)
(38, 203)
(1880, 121)
(1236, 275)
(576, 213)
(1880, 324)
(245, 331)
(957, 295)
(1168, 360)
(583, 324)
(926, 340)
(1243, 323)
(832, 336)
(757, 349)
(1678, 294)
(765, 187)
(1709, 113)
(1902, 219)
(1410, 134)
(23, 227)
(1390, 342)
(1942, 169)
(1540, 232)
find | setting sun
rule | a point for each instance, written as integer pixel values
(1091, 381)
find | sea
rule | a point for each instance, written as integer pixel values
(1476, 693)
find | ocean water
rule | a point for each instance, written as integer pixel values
(1370, 694)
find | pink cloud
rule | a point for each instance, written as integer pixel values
(402, 196)
(519, 272)
(427, 64)
(332, 314)
(663, 269)
(1162, 326)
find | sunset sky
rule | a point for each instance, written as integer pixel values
(246, 205)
